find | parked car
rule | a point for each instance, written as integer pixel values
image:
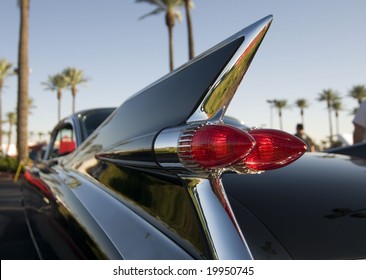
(70, 132)
(355, 150)
(164, 177)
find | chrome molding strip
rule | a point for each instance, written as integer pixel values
(224, 238)
(171, 148)
(166, 148)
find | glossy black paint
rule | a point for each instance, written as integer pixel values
(356, 150)
(178, 95)
(159, 198)
(61, 226)
(175, 96)
(72, 219)
(314, 208)
(112, 199)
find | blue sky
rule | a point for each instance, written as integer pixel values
(311, 46)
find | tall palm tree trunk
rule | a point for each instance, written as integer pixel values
(280, 118)
(337, 122)
(190, 29)
(1, 119)
(23, 76)
(330, 125)
(169, 20)
(9, 143)
(59, 94)
(9, 139)
(73, 93)
(171, 59)
(302, 117)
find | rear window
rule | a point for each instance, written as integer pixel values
(92, 119)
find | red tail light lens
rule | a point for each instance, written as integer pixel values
(215, 146)
(274, 149)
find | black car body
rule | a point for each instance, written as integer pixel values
(140, 187)
(357, 150)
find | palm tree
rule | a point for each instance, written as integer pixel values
(40, 135)
(271, 103)
(188, 4)
(31, 105)
(57, 83)
(329, 95)
(337, 106)
(31, 135)
(12, 120)
(23, 76)
(171, 13)
(358, 92)
(280, 105)
(5, 72)
(74, 77)
(302, 104)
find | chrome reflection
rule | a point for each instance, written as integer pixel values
(220, 94)
(166, 148)
(223, 237)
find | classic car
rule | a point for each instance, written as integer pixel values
(355, 150)
(165, 177)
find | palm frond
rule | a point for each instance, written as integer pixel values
(154, 12)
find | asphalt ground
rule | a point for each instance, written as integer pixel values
(15, 240)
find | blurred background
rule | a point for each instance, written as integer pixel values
(309, 69)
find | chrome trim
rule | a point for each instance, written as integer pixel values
(166, 148)
(223, 89)
(184, 148)
(172, 143)
(224, 238)
(132, 152)
(139, 240)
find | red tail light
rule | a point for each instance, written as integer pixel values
(206, 147)
(215, 146)
(274, 149)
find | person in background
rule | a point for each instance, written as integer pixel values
(302, 135)
(359, 122)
